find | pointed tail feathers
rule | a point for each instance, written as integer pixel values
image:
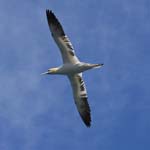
(96, 65)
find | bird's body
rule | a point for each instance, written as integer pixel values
(71, 67)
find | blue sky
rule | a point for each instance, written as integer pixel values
(38, 113)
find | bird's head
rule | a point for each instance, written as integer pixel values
(51, 71)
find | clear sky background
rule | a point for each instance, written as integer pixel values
(38, 112)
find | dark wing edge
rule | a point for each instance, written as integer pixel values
(85, 113)
(61, 39)
(81, 99)
(54, 24)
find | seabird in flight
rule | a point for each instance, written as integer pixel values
(71, 67)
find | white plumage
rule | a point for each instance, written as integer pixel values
(71, 67)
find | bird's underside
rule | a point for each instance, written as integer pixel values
(69, 57)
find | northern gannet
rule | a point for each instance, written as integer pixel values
(71, 67)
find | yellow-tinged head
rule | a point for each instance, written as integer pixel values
(51, 71)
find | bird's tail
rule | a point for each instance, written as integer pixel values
(96, 65)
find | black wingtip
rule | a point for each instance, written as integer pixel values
(53, 21)
(86, 117)
(49, 11)
(88, 125)
(87, 122)
(50, 15)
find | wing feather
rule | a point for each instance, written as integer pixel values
(80, 97)
(61, 39)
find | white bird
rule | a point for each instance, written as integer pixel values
(71, 67)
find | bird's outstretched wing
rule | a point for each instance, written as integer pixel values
(80, 97)
(63, 42)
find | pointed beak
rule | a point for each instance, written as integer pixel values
(44, 73)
